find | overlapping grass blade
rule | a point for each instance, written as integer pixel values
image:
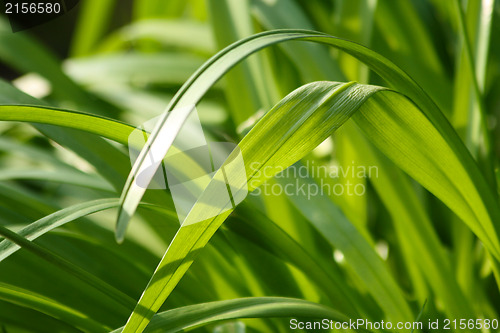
(198, 315)
(194, 89)
(470, 199)
(324, 104)
(201, 81)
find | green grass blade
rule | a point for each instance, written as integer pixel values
(105, 127)
(133, 68)
(325, 105)
(426, 227)
(121, 298)
(181, 33)
(472, 200)
(108, 160)
(410, 142)
(413, 227)
(246, 89)
(36, 58)
(199, 315)
(92, 24)
(52, 221)
(50, 307)
(265, 233)
(343, 235)
(70, 177)
(193, 90)
(478, 115)
(128, 203)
